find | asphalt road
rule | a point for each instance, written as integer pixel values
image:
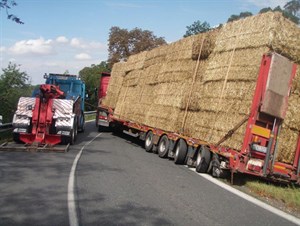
(117, 183)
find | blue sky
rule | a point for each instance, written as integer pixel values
(60, 35)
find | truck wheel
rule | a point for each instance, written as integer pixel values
(68, 139)
(163, 147)
(180, 152)
(75, 129)
(16, 138)
(81, 123)
(149, 141)
(203, 160)
(72, 137)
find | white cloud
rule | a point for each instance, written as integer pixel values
(62, 39)
(75, 42)
(268, 3)
(33, 47)
(83, 56)
(57, 57)
(81, 44)
(2, 49)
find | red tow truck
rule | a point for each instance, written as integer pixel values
(257, 155)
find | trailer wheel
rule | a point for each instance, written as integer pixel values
(163, 146)
(203, 160)
(180, 152)
(149, 141)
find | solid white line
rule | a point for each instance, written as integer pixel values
(73, 218)
(249, 198)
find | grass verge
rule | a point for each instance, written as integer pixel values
(288, 194)
(90, 117)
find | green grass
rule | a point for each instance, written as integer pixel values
(5, 136)
(90, 117)
(288, 194)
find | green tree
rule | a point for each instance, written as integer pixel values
(7, 5)
(240, 16)
(91, 76)
(196, 28)
(123, 43)
(287, 14)
(264, 10)
(13, 84)
(292, 7)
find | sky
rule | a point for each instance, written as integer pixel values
(68, 35)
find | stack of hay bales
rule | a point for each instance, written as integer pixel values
(169, 88)
(115, 85)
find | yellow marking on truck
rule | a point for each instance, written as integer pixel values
(260, 131)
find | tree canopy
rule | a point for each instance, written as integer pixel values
(91, 76)
(123, 43)
(290, 11)
(196, 28)
(14, 83)
(240, 16)
(7, 5)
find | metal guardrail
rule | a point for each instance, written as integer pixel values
(90, 112)
(7, 126)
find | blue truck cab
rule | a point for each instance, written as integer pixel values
(74, 89)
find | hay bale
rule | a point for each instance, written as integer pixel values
(156, 92)
(208, 44)
(268, 29)
(287, 143)
(115, 85)
(136, 62)
(132, 78)
(242, 64)
(189, 48)
(156, 56)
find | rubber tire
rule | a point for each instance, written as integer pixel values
(16, 138)
(149, 141)
(75, 128)
(82, 127)
(163, 146)
(71, 139)
(180, 152)
(203, 160)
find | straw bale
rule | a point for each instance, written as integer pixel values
(171, 94)
(189, 48)
(267, 29)
(136, 61)
(156, 94)
(156, 56)
(132, 78)
(201, 125)
(287, 143)
(292, 118)
(239, 64)
(151, 74)
(163, 117)
(235, 89)
(208, 45)
(115, 84)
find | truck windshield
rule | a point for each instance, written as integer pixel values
(65, 87)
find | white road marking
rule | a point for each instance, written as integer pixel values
(73, 218)
(249, 198)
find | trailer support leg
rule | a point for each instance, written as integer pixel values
(231, 177)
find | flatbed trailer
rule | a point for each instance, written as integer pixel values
(257, 155)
